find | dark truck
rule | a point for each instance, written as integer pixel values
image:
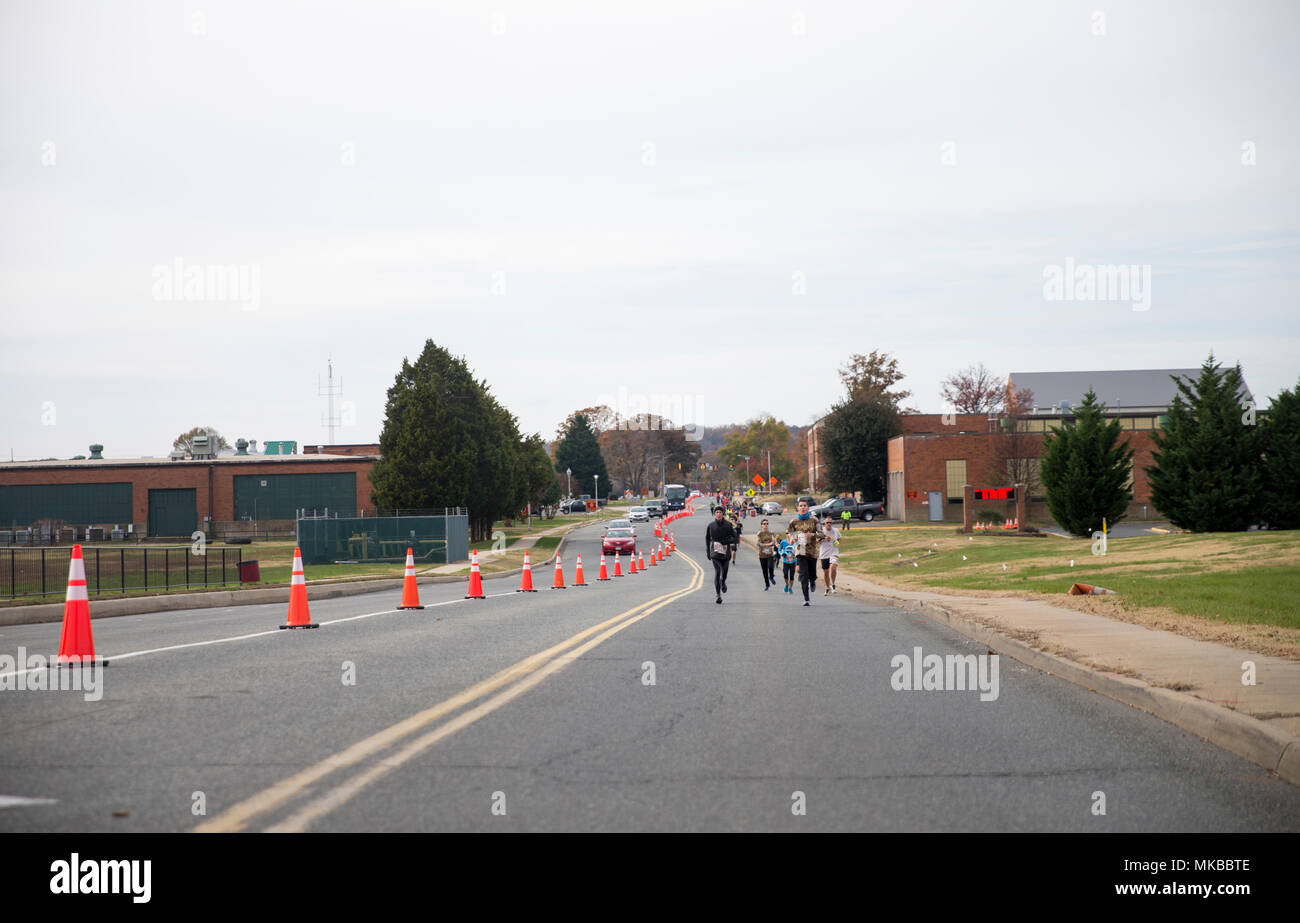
(834, 508)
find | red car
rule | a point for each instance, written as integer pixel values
(621, 540)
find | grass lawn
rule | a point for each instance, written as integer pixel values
(1240, 580)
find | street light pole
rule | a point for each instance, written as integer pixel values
(568, 482)
(597, 478)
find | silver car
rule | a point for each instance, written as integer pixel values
(771, 508)
(638, 514)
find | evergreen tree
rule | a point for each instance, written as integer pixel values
(447, 442)
(1086, 470)
(1205, 475)
(1279, 433)
(578, 450)
(855, 444)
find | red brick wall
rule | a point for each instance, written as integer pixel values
(922, 459)
(187, 475)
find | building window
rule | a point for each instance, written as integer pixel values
(956, 471)
(1144, 423)
(1035, 426)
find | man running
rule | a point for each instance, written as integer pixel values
(830, 556)
(719, 540)
(804, 533)
(767, 555)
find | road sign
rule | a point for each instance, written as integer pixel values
(750, 492)
(758, 479)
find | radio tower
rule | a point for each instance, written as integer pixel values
(330, 391)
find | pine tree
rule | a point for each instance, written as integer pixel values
(447, 442)
(1206, 475)
(1086, 470)
(579, 451)
(1279, 432)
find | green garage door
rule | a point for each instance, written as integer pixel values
(173, 512)
(280, 496)
(24, 504)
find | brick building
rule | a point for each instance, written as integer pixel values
(176, 497)
(938, 454)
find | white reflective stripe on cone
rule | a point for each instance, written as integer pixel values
(76, 592)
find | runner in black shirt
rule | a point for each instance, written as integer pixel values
(719, 541)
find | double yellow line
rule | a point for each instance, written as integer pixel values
(511, 682)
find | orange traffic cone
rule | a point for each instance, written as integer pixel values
(299, 617)
(410, 592)
(558, 583)
(672, 542)
(640, 561)
(77, 645)
(577, 577)
(475, 578)
(656, 530)
(654, 556)
(661, 552)
(604, 573)
(618, 567)
(526, 578)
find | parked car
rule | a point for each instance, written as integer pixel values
(656, 507)
(771, 508)
(834, 509)
(638, 514)
(812, 501)
(573, 506)
(622, 541)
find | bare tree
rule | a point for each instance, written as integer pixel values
(185, 441)
(1016, 451)
(974, 390)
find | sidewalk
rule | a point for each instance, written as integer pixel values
(1196, 685)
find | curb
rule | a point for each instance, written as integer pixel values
(1247, 737)
(220, 599)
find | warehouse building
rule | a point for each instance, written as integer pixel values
(938, 454)
(218, 494)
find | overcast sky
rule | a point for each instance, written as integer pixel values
(714, 202)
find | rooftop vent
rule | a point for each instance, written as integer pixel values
(241, 446)
(97, 452)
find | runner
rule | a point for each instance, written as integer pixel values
(788, 564)
(767, 555)
(804, 532)
(830, 556)
(720, 542)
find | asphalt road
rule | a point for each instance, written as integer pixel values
(536, 712)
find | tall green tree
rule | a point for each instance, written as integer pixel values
(538, 476)
(1086, 470)
(1279, 433)
(578, 450)
(855, 445)
(447, 442)
(1206, 475)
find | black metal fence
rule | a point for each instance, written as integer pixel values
(44, 571)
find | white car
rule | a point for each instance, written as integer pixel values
(638, 514)
(617, 524)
